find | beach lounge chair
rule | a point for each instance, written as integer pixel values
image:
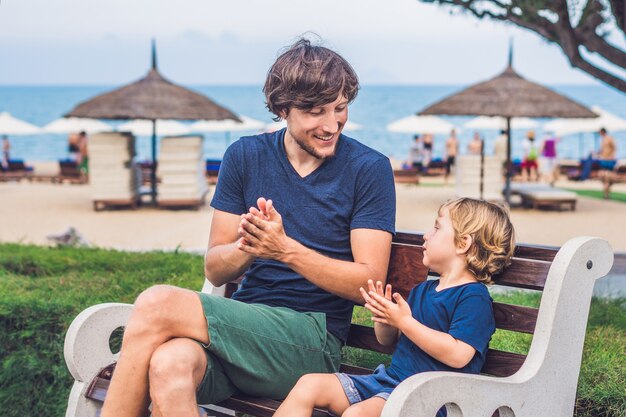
(16, 169)
(6, 175)
(538, 196)
(212, 170)
(181, 169)
(468, 177)
(113, 175)
(69, 172)
(406, 176)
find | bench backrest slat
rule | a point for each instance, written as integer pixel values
(515, 318)
(524, 273)
(499, 363)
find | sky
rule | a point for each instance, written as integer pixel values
(207, 42)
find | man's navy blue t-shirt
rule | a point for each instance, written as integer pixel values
(465, 312)
(352, 190)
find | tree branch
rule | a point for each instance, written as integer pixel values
(561, 32)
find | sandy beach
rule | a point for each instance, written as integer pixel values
(31, 211)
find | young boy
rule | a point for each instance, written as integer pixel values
(444, 325)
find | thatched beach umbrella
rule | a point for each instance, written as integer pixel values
(152, 97)
(508, 95)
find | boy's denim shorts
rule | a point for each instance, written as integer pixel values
(362, 387)
(262, 351)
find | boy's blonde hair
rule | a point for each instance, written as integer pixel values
(493, 237)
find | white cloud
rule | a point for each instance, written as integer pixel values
(211, 42)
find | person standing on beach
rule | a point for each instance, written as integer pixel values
(475, 146)
(608, 150)
(452, 149)
(6, 150)
(416, 153)
(306, 215)
(531, 152)
(547, 164)
(83, 154)
(427, 154)
(73, 140)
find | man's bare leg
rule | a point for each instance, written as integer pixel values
(161, 313)
(176, 370)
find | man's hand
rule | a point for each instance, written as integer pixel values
(383, 308)
(262, 232)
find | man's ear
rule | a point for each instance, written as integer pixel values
(283, 114)
(464, 245)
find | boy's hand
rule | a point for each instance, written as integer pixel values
(383, 308)
(378, 289)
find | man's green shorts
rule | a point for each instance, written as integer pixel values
(261, 350)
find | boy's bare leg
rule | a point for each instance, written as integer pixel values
(314, 390)
(161, 313)
(372, 407)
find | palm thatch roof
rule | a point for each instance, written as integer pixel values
(152, 97)
(508, 95)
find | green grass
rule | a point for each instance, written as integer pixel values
(43, 289)
(615, 196)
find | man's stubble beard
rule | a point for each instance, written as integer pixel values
(311, 150)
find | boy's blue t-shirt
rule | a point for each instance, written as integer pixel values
(465, 312)
(352, 190)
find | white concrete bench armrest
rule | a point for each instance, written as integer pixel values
(87, 341)
(209, 288)
(546, 383)
(463, 395)
(87, 351)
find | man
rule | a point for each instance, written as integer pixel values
(416, 153)
(306, 215)
(452, 149)
(607, 151)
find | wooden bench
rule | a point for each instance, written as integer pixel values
(543, 383)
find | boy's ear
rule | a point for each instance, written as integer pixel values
(464, 245)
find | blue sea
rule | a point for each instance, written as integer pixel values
(374, 108)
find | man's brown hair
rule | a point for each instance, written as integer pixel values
(307, 76)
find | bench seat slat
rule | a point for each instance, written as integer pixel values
(261, 407)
